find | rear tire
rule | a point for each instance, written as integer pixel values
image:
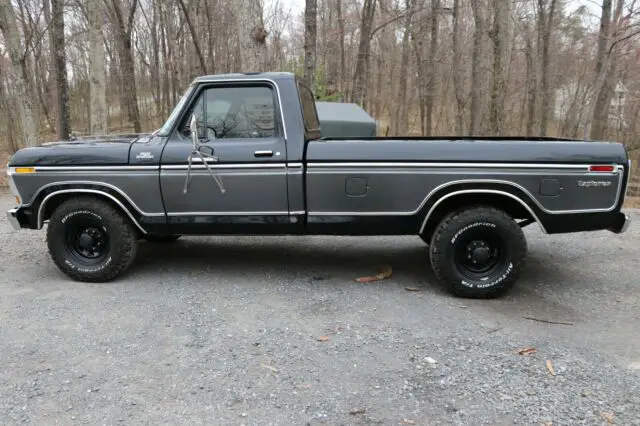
(91, 241)
(478, 252)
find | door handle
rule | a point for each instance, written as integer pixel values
(263, 154)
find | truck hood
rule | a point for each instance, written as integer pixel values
(109, 150)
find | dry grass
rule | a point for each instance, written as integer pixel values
(4, 159)
(631, 203)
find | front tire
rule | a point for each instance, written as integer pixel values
(91, 241)
(478, 252)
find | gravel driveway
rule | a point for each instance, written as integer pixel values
(229, 331)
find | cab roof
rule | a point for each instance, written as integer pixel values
(272, 75)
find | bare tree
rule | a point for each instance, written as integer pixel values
(97, 82)
(15, 47)
(124, 28)
(310, 24)
(59, 69)
(476, 70)
(545, 28)
(362, 61)
(252, 35)
(500, 41)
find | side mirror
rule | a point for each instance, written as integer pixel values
(193, 127)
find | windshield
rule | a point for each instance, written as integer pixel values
(166, 127)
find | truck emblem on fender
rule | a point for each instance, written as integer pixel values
(593, 183)
(144, 156)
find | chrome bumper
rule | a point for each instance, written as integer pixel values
(621, 224)
(12, 217)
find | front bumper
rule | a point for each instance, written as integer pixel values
(12, 217)
(620, 224)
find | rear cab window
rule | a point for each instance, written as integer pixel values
(309, 113)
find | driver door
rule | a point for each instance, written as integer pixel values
(238, 124)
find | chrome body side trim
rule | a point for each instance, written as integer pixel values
(480, 191)
(89, 191)
(466, 181)
(88, 182)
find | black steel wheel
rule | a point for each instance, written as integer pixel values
(90, 240)
(86, 240)
(478, 252)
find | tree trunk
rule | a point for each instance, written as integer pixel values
(431, 76)
(310, 26)
(546, 25)
(532, 85)
(60, 69)
(457, 69)
(399, 126)
(360, 75)
(252, 35)
(500, 42)
(343, 67)
(605, 69)
(13, 44)
(194, 37)
(476, 71)
(97, 71)
(127, 63)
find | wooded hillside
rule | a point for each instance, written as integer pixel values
(481, 67)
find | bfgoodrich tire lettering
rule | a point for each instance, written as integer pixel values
(89, 240)
(478, 251)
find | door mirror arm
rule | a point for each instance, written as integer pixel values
(205, 158)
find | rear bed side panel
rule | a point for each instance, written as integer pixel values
(398, 192)
(404, 189)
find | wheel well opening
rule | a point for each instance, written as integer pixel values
(54, 202)
(503, 202)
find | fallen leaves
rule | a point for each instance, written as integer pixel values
(526, 351)
(323, 338)
(268, 367)
(608, 417)
(383, 273)
(356, 411)
(550, 367)
(407, 422)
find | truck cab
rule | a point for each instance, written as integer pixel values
(252, 130)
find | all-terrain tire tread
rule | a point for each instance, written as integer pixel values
(126, 234)
(437, 260)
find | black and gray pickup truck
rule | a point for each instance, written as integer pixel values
(242, 154)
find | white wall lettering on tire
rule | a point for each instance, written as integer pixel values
(471, 225)
(77, 212)
(497, 281)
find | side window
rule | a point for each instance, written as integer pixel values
(235, 112)
(308, 104)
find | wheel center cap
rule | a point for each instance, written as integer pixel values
(85, 240)
(480, 255)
